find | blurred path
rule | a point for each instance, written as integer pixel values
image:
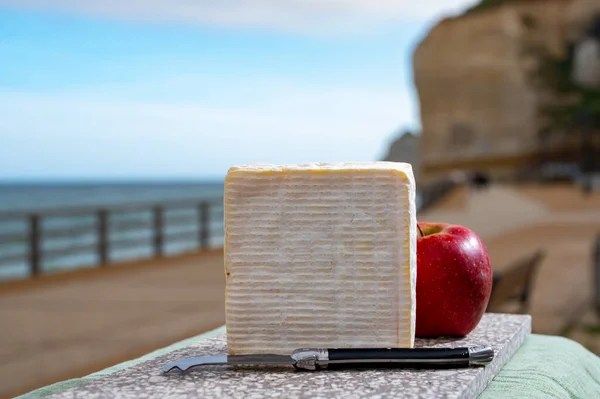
(515, 221)
(75, 326)
(491, 212)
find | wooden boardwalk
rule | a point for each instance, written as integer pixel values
(71, 325)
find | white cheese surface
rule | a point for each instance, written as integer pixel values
(320, 255)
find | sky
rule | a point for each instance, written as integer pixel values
(185, 89)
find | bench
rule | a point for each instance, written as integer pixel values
(515, 283)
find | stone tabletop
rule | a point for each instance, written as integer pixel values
(504, 333)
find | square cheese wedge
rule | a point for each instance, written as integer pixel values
(320, 255)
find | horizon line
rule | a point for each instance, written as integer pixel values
(108, 180)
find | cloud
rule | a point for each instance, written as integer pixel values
(295, 15)
(82, 135)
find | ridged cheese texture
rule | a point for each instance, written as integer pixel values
(320, 255)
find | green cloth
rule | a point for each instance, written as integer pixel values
(544, 367)
(548, 367)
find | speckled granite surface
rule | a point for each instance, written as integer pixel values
(505, 333)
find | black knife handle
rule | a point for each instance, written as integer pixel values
(405, 358)
(315, 358)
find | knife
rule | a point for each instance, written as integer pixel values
(318, 358)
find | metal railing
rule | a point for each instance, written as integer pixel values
(45, 240)
(97, 234)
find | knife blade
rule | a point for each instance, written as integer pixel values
(334, 358)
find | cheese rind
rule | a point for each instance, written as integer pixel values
(320, 255)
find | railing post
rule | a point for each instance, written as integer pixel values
(204, 224)
(103, 237)
(34, 245)
(596, 265)
(158, 231)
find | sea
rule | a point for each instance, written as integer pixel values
(18, 200)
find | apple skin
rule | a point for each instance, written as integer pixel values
(454, 280)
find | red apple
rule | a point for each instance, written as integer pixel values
(454, 280)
